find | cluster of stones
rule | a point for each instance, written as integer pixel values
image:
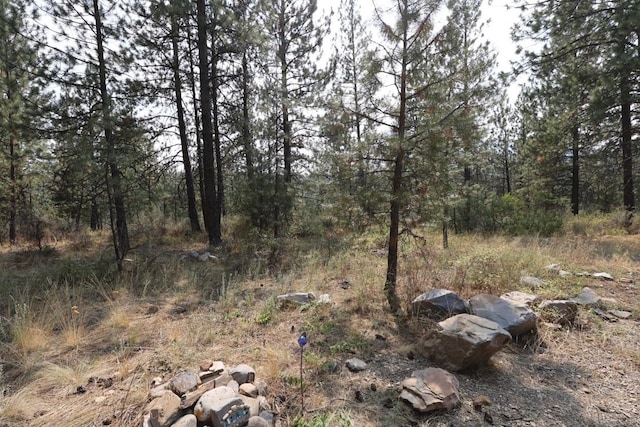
(215, 397)
(469, 333)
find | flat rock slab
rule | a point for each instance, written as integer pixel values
(516, 319)
(603, 276)
(299, 298)
(621, 314)
(587, 297)
(431, 389)
(532, 282)
(520, 298)
(439, 304)
(563, 312)
(463, 341)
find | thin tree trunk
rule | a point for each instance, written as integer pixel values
(196, 118)
(215, 87)
(192, 208)
(575, 171)
(396, 192)
(284, 93)
(14, 190)
(210, 196)
(120, 231)
(246, 128)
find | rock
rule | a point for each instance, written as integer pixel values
(217, 367)
(299, 298)
(438, 304)
(533, 282)
(356, 365)
(252, 403)
(552, 267)
(603, 276)
(563, 312)
(605, 315)
(230, 413)
(269, 417)
(264, 404)
(431, 389)
(158, 390)
(205, 365)
(520, 298)
(249, 389)
(621, 314)
(587, 297)
(257, 421)
(516, 319)
(334, 366)
(463, 341)
(164, 409)
(324, 299)
(564, 273)
(205, 257)
(210, 400)
(189, 420)
(243, 374)
(263, 388)
(233, 384)
(184, 382)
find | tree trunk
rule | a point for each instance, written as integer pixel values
(284, 93)
(575, 171)
(196, 118)
(192, 208)
(396, 192)
(215, 87)
(14, 190)
(246, 124)
(113, 176)
(210, 197)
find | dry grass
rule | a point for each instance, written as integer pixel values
(165, 314)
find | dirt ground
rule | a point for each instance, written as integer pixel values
(587, 375)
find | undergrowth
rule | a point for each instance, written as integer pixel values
(66, 311)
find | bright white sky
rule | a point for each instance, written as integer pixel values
(497, 30)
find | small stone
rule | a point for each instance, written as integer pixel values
(249, 389)
(100, 399)
(184, 382)
(299, 298)
(263, 388)
(324, 299)
(532, 282)
(189, 420)
(233, 384)
(205, 365)
(356, 365)
(603, 276)
(359, 396)
(373, 387)
(257, 421)
(243, 374)
(217, 367)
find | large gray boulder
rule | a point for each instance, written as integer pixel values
(515, 318)
(463, 341)
(431, 389)
(439, 304)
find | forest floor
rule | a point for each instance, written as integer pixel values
(84, 352)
